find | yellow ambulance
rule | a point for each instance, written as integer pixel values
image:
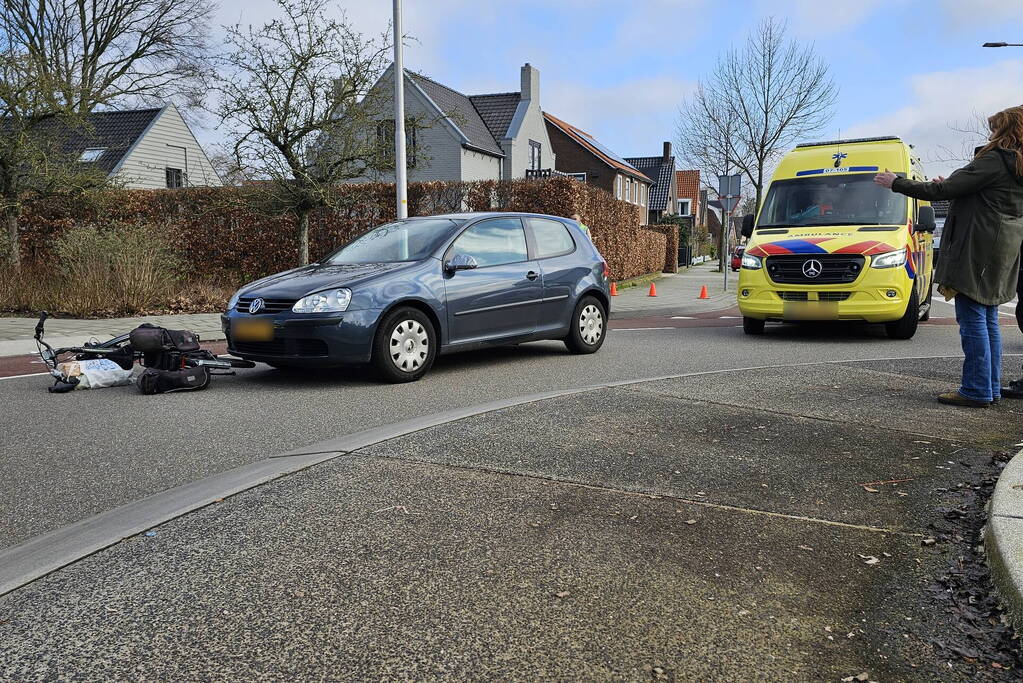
(830, 244)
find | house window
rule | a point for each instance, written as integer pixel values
(385, 139)
(535, 155)
(683, 207)
(92, 155)
(618, 188)
(175, 178)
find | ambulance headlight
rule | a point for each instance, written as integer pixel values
(751, 262)
(891, 259)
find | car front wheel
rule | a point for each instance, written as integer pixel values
(405, 346)
(588, 326)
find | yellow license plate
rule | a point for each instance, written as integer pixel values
(810, 310)
(252, 330)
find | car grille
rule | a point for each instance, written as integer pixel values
(269, 305)
(821, 296)
(836, 269)
(283, 347)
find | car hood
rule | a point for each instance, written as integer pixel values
(853, 239)
(296, 283)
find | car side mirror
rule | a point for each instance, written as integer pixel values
(925, 219)
(461, 262)
(747, 225)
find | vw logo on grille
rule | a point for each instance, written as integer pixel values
(257, 304)
(811, 269)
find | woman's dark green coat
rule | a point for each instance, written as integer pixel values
(980, 243)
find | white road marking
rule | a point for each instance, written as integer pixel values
(31, 374)
(682, 317)
(641, 329)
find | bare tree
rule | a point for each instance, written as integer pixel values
(756, 103)
(95, 52)
(297, 98)
(60, 60)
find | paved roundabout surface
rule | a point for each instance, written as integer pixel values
(816, 520)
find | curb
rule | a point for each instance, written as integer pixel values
(1003, 539)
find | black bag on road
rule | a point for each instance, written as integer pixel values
(155, 381)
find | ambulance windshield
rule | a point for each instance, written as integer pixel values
(831, 200)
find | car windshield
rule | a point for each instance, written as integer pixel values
(409, 240)
(831, 200)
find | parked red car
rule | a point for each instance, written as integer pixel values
(737, 257)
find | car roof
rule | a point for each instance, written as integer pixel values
(473, 215)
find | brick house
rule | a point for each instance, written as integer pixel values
(688, 183)
(664, 191)
(493, 136)
(581, 155)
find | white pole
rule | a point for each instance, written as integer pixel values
(400, 182)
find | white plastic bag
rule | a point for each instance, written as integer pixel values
(95, 374)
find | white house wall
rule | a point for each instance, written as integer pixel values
(479, 166)
(517, 149)
(167, 143)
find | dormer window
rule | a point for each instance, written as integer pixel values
(92, 155)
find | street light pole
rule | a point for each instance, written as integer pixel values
(400, 181)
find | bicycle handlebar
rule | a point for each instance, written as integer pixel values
(43, 315)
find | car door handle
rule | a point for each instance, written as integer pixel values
(532, 275)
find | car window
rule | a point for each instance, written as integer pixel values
(552, 238)
(493, 242)
(407, 240)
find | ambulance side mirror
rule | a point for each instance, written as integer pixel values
(925, 219)
(747, 225)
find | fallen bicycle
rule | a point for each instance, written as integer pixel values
(173, 361)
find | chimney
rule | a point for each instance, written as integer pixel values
(530, 83)
(667, 150)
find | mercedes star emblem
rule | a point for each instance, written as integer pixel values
(257, 304)
(811, 269)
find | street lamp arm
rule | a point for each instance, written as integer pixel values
(1003, 44)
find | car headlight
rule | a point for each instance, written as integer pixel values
(331, 301)
(751, 262)
(234, 300)
(891, 259)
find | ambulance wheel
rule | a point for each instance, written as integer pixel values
(927, 313)
(905, 327)
(753, 325)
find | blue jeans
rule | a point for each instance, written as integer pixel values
(982, 344)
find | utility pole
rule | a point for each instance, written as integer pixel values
(400, 181)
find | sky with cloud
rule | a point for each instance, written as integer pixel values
(913, 68)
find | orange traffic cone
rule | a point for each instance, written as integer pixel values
(653, 290)
(703, 292)
(614, 289)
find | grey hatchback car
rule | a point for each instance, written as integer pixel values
(404, 292)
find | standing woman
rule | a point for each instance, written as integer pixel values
(979, 260)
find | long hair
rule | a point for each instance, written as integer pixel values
(1007, 132)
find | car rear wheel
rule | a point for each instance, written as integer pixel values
(588, 326)
(753, 325)
(405, 346)
(905, 327)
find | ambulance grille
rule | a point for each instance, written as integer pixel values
(836, 269)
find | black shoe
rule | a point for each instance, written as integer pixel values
(1014, 390)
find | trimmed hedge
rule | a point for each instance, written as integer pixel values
(222, 241)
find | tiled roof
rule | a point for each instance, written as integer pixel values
(688, 183)
(662, 172)
(112, 131)
(462, 111)
(590, 143)
(497, 110)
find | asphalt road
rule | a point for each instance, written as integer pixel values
(69, 456)
(802, 523)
